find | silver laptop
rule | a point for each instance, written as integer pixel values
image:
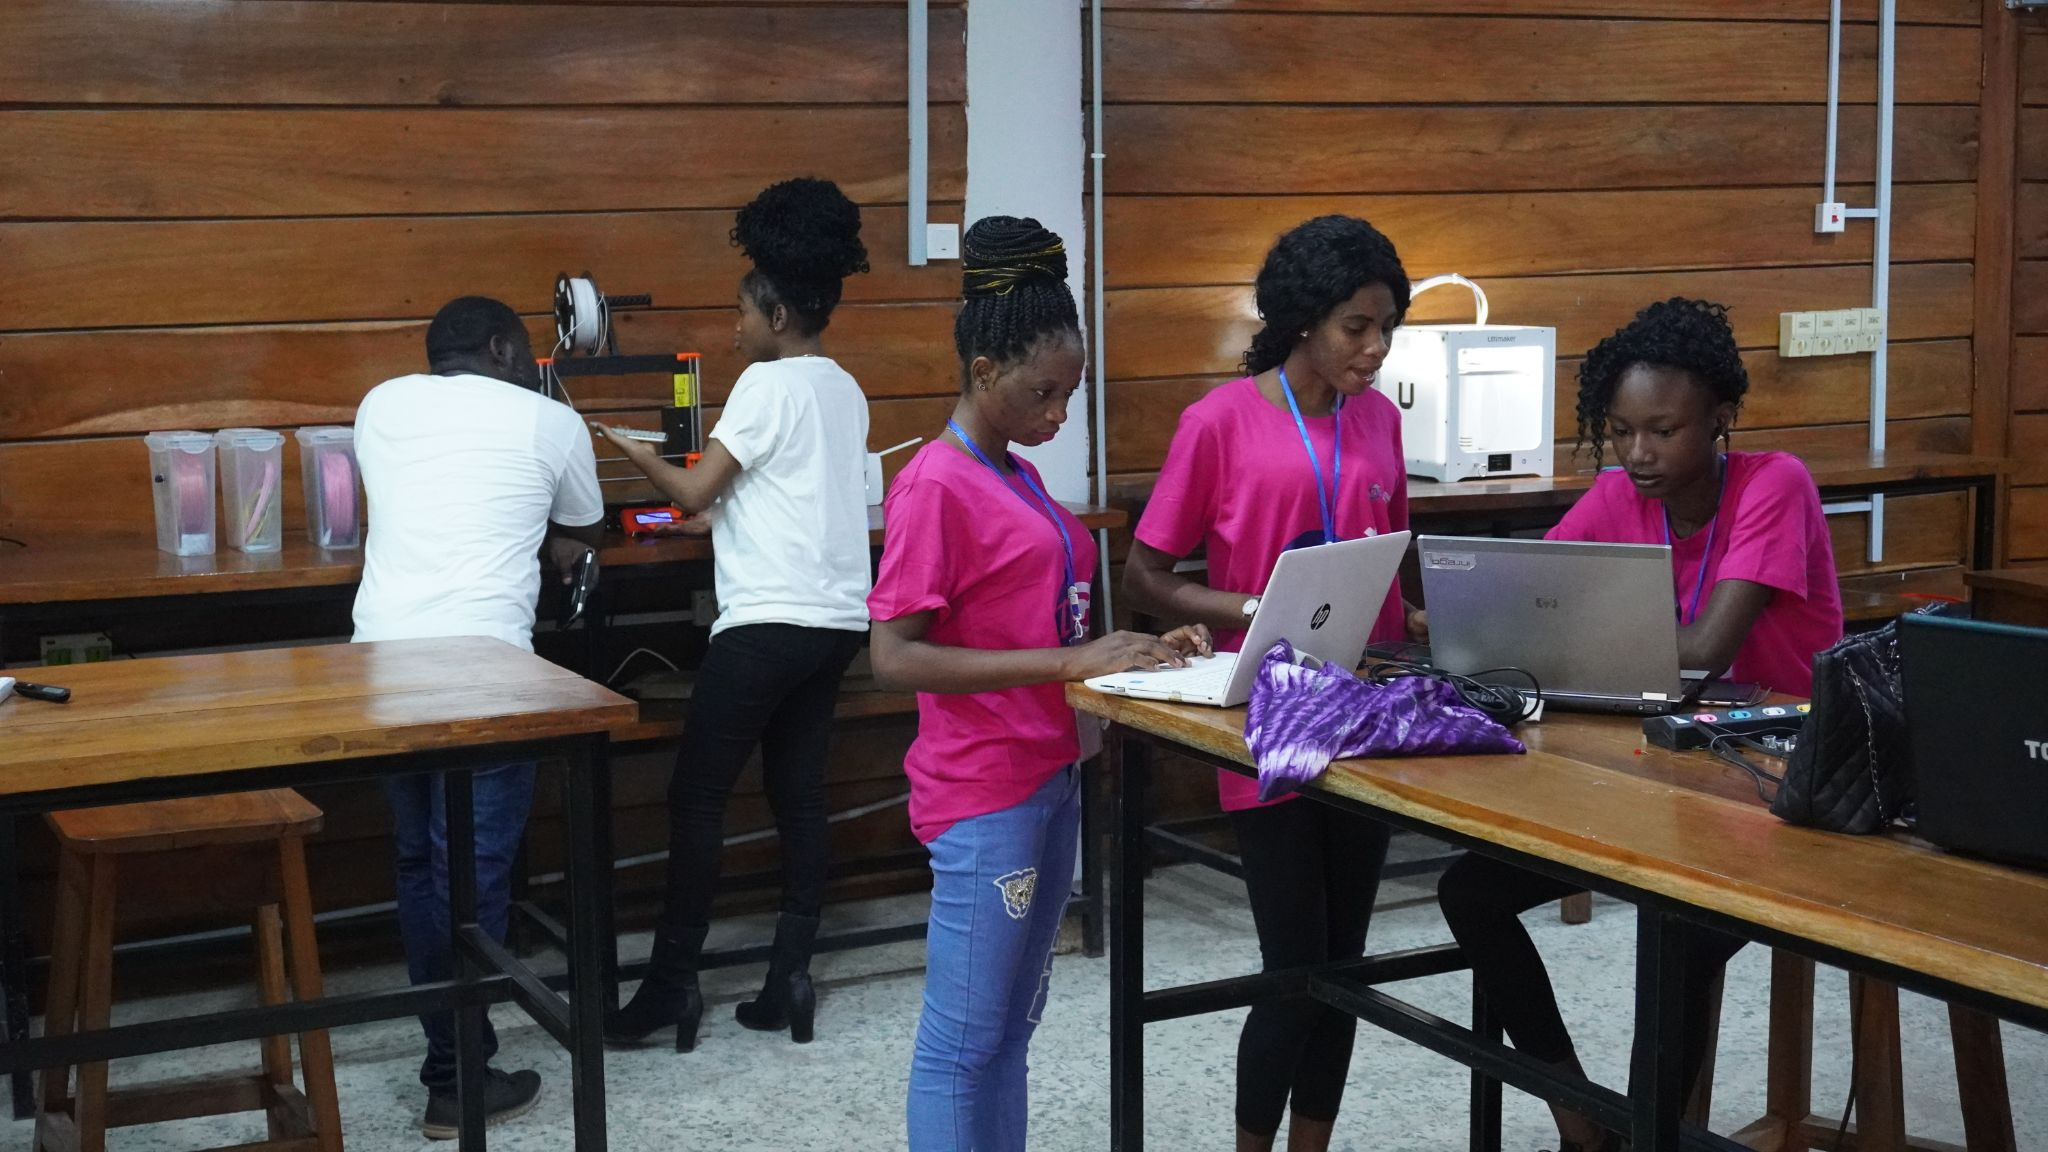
(1593, 623)
(1324, 600)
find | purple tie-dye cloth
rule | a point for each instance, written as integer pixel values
(1300, 719)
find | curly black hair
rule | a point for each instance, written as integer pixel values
(1014, 280)
(1692, 336)
(1316, 266)
(803, 236)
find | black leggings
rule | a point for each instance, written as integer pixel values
(773, 685)
(1483, 899)
(1312, 873)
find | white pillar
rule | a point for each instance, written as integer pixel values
(1025, 157)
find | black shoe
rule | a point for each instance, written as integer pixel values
(506, 1094)
(668, 995)
(787, 998)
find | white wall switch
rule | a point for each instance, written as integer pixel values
(1849, 322)
(1871, 321)
(942, 241)
(1825, 346)
(1830, 217)
(1827, 325)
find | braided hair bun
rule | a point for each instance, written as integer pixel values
(1014, 281)
(803, 237)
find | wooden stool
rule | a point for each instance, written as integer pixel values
(1788, 1123)
(229, 840)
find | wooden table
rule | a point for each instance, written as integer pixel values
(291, 717)
(73, 568)
(1495, 506)
(1682, 836)
(2010, 595)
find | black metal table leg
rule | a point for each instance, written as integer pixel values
(589, 936)
(599, 773)
(1091, 854)
(1984, 534)
(459, 802)
(1129, 770)
(1486, 1090)
(1657, 1081)
(14, 964)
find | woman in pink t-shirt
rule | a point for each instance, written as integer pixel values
(981, 605)
(1754, 587)
(1300, 451)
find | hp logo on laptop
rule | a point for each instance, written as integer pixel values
(1321, 618)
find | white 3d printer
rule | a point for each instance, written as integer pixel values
(1477, 399)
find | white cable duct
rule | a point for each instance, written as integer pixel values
(1096, 280)
(1880, 215)
(919, 209)
(1881, 247)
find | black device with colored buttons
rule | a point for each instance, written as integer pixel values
(1690, 730)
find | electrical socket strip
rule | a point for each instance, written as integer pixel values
(1834, 333)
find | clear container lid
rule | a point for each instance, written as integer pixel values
(178, 441)
(327, 434)
(258, 439)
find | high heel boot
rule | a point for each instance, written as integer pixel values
(668, 995)
(787, 998)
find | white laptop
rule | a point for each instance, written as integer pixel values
(1324, 600)
(1593, 623)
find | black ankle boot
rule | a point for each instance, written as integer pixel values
(787, 999)
(669, 993)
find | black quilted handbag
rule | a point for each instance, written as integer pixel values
(1851, 770)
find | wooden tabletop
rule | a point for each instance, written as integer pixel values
(55, 568)
(222, 712)
(1534, 493)
(1594, 796)
(2028, 582)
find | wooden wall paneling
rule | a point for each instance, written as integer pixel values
(450, 54)
(2030, 298)
(1251, 149)
(1919, 532)
(2029, 524)
(134, 274)
(2030, 374)
(1162, 242)
(2029, 438)
(2028, 219)
(405, 161)
(1170, 57)
(67, 383)
(1855, 11)
(1163, 332)
(2034, 62)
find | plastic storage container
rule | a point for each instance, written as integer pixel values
(327, 462)
(252, 487)
(181, 479)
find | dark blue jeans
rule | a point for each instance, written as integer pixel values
(502, 797)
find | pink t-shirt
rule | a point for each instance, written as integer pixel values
(983, 556)
(1237, 483)
(1769, 530)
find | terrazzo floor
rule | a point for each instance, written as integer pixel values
(748, 1091)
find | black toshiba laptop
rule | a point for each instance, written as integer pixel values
(1977, 711)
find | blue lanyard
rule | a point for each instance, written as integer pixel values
(1068, 589)
(1700, 586)
(1326, 498)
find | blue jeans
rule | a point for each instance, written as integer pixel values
(999, 887)
(501, 796)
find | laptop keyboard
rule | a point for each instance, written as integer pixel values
(1205, 678)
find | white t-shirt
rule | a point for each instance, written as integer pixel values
(463, 474)
(791, 534)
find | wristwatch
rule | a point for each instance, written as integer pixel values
(1251, 607)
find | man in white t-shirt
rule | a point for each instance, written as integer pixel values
(469, 470)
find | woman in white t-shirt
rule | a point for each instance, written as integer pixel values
(782, 475)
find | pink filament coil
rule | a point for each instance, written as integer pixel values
(337, 498)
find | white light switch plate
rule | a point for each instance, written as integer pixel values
(942, 241)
